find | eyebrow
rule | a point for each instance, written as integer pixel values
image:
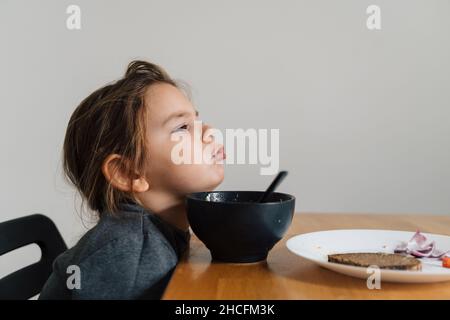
(179, 115)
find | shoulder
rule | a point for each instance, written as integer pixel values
(125, 257)
(129, 236)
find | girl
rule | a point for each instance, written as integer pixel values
(118, 154)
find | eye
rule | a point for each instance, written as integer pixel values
(183, 127)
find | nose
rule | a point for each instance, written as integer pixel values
(207, 133)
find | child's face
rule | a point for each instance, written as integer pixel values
(169, 114)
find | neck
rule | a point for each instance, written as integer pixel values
(169, 207)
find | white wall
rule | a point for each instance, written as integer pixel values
(364, 116)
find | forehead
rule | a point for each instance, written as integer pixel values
(163, 100)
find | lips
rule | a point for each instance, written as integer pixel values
(219, 155)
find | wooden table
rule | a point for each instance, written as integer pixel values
(287, 276)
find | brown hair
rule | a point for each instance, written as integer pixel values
(110, 120)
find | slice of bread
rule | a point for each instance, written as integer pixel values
(392, 261)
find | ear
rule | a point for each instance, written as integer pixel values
(115, 174)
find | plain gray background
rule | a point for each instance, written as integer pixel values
(363, 115)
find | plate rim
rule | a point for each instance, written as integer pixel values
(357, 268)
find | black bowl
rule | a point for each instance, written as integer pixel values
(235, 227)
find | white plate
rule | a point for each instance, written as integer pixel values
(316, 247)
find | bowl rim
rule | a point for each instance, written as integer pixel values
(191, 196)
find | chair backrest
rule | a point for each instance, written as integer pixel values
(39, 229)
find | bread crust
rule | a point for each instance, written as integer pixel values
(392, 261)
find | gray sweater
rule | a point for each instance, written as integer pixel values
(131, 257)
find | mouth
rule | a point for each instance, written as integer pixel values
(219, 155)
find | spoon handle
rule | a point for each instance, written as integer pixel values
(280, 176)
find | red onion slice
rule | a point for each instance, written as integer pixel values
(418, 247)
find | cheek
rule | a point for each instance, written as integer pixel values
(158, 159)
(182, 178)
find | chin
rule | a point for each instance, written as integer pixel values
(219, 173)
(213, 179)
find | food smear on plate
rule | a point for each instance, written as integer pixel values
(382, 260)
(419, 247)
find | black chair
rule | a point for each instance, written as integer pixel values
(37, 228)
